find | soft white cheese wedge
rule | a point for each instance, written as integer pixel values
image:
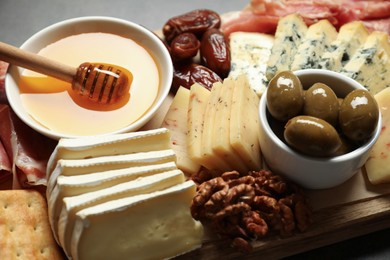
(378, 163)
(68, 186)
(317, 40)
(176, 121)
(289, 34)
(138, 186)
(105, 163)
(351, 36)
(245, 125)
(370, 65)
(249, 55)
(157, 225)
(95, 146)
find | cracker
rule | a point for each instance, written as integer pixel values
(24, 227)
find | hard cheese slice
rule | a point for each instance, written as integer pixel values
(68, 186)
(199, 97)
(351, 36)
(96, 146)
(149, 226)
(138, 186)
(244, 124)
(378, 163)
(317, 39)
(370, 65)
(249, 55)
(289, 34)
(221, 131)
(176, 121)
(210, 159)
(78, 167)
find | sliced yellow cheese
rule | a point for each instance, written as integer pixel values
(176, 121)
(158, 225)
(221, 131)
(210, 159)
(378, 163)
(199, 97)
(141, 185)
(244, 124)
(96, 146)
(68, 186)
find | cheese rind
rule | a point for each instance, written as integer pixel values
(289, 34)
(176, 121)
(317, 40)
(141, 185)
(378, 162)
(249, 55)
(149, 226)
(68, 186)
(96, 146)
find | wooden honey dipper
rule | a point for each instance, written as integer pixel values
(99, 82)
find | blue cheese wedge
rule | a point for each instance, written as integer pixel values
(317, 40)
(68, 186)
(141, 185)
(370, 65)
(249, 55)
(351, 37)
(378, 162)
(157, 225)
(96, 146)
(289, 34)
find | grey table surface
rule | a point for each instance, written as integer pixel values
(19, 19)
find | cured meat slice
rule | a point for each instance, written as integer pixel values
(3, 70)
(28, 151)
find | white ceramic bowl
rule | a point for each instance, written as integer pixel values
(80, 25)
(312, 172)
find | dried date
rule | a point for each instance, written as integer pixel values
(188, 74)
(196, 22)
(184, 46)
(215, 52)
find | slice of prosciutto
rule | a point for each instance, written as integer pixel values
(258, 15)
(23, 152)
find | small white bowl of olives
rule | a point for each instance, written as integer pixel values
(317, 127)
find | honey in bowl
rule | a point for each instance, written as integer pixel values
(51, 104)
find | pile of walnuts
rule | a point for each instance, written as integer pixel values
(246, 208)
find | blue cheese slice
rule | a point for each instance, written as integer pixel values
(289, 34)
(317, 40)
(351, 37)
(370, 65)
(157, 225)
(96, 146)
(249, 55)
(141, 185)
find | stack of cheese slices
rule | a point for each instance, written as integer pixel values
(217, 129)
(120, 196)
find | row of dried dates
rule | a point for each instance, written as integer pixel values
(247, 207)
(192, 34)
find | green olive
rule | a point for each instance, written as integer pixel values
(285, 96)
(358, 116)
(312, 136)
(321, 102)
